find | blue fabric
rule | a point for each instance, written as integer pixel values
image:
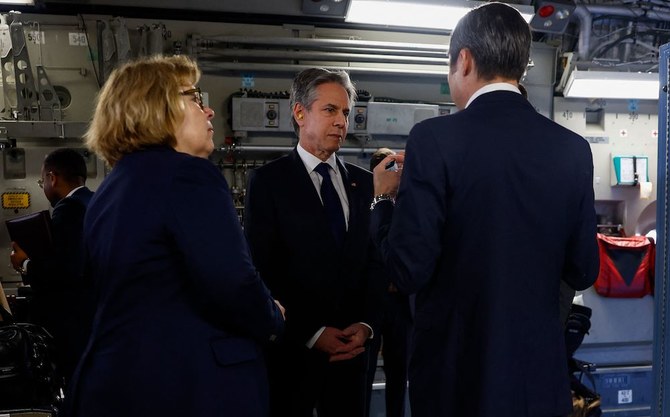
(332, 203)
(318, 283)
(494, 209)
(181, 312)
(62, 300)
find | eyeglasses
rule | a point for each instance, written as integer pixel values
(197, 95)
(40, 182)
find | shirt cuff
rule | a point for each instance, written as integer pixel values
(310, 343)
(24, 266)
(372, 332)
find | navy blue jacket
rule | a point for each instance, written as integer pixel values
(181, 311)
(495, 207)
(62, 300)
(296, 253)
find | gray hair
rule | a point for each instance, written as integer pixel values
(304, 86)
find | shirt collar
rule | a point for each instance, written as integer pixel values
(312, 161)
(74, 191)
(488, 88)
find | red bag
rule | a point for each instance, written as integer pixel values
(626, 266)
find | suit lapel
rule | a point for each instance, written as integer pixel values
(304, 192)
(303, 187)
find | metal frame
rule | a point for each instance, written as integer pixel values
(661, 370)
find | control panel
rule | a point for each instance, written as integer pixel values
(261, 115)
(367, 118)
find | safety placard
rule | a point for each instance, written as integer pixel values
(16, 200)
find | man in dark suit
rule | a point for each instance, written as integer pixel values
(307, 221)
(393, 337)
(61, 300)
(494, 208)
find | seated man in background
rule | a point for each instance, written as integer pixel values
(61, 300)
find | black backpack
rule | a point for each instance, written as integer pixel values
(585, 400)
(28, 377)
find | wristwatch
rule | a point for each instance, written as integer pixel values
(381, 197)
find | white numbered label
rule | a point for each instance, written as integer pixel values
(36, 37)
(625, 396)
(77, 39)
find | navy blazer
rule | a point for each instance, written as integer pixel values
(296, 254)
(495, 207)
(63, 267)
(62, 300)
(181, 311)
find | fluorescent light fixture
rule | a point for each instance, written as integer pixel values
(18, 2)
(417, 15)
(608, 84)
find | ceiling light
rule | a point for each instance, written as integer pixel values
(608, 84)
(428, 16)
(17, 2)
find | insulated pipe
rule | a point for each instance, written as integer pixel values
(319, 56)
(628, 47)
(585, 15)
(330, 43)
(621, 11)
(207, 45)
(213, 67)
(585, 22)
(261, 148)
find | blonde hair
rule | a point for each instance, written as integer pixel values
(140, 105)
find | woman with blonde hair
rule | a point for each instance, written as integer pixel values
(181, 312)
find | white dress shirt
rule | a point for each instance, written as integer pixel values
(311, 162)
(488, 88)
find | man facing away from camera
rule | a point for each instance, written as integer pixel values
(495, 207)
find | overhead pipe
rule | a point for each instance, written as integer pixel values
(262, 148)
(216, 67)
(585, 12)
(329, 43)
(212, 55)
(584, 40)
(622, 11)
(319, 56)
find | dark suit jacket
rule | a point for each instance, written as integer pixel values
(181, 310)
(62, 269)
(495, 207)
(296, 255)
(61, 298)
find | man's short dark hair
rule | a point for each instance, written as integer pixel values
(68, 163)
(497, 37)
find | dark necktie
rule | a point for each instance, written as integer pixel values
(332, 204)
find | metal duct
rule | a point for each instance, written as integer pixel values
(241, 53)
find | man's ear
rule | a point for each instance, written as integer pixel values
(53, 178)
(298, 112)
(466, 61)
